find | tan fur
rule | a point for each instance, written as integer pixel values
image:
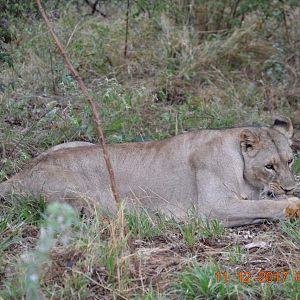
(220, 172)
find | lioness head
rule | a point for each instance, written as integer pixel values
(268, 157)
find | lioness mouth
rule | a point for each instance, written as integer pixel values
(275, 196)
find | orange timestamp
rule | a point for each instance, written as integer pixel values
(259, 277)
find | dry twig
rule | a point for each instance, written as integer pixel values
(90, 101)
(127, 28)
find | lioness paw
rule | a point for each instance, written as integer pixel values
(293, 200)
(293, 209)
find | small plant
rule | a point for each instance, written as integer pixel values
(236, 255)
(291, 228)
(199, 228)
(59, 219)
(212, 229)
(150, 294)
(190, 234)
(112, 252)
(76, 286)
(145, 225)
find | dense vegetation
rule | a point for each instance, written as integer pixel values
(156, 68)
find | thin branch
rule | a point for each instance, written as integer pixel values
(286, 27)
(91, 103)
(52, 74)
(127, 28)
(72, 34)
(95, 6)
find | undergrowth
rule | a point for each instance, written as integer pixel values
(189, 65)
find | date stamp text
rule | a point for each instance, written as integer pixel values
(259, 277)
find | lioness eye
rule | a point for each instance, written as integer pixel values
(290, 161)
(269, 167)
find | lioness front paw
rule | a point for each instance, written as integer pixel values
(293, 209)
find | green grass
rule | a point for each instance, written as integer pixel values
(55, 226)
(177, 76)
(199, 229)
(146, 225)
(296, 166)
(76, 287)
(289, 290)
(198, 281)
(291, 229)
(16, 215)
(96, 248)
(236, 254)
(150, 294)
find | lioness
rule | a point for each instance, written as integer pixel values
(237, 175)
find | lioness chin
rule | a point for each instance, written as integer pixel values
(237, 175)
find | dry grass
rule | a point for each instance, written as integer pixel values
(81, 270)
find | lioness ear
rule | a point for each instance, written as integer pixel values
(295, 145)
(284, 126)
(249, 140)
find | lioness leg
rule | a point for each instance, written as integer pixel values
(224, 202)
(242, 212)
